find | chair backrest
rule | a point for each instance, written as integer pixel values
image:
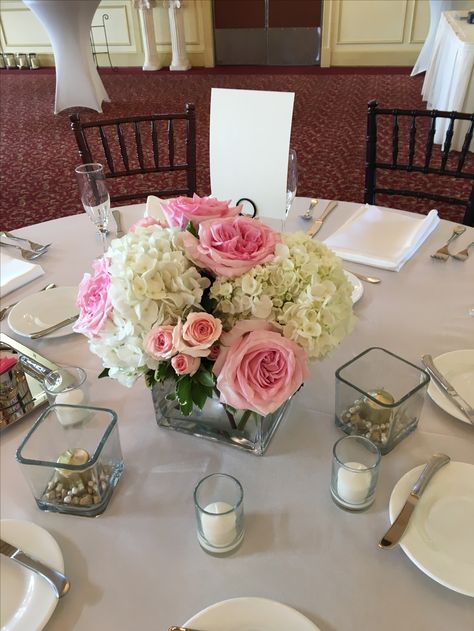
(163, 144)
(418, 155)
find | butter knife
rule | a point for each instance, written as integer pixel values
(397, 529)
(118, 223)
(447, 388)
(53, 328)
(319, 222)
(56, 579)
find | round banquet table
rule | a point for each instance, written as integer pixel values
(139, 564)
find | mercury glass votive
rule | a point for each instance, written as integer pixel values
(380, 396)
(218, 501)
(72, 468)
(355, 470)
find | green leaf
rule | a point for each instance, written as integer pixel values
(198, 394)
(190, 228)
(150, 378)
(163, 371)
(104, 373)
(171, 396)
(183, 393)
(205, 378)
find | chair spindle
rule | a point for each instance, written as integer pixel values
(395, 131)
(154, 140)
(429, 144)
(465, 147)
(171, 142)
(105, 145)
(138, 143)
(412, 143)
(123, 147)
(447, 144)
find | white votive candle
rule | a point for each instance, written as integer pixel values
(219, 529)
(71, 397)
(353, 486)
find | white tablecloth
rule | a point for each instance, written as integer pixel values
(139, 565)
(449, 80)
(68, 24)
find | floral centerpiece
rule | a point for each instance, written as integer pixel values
(215, 306)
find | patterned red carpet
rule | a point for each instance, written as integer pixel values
(38, 152)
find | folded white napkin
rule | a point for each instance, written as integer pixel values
(381, 237)
(15, 273)
(153, 208)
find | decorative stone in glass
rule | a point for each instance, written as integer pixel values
(238, 428)
(72, 468)
(380, 395)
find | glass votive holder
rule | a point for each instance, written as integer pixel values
(355, 470)
(380, 396)
(67, 386)
(218, 501)
(72, 468)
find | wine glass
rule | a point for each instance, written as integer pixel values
(95, 197)
(292, 180)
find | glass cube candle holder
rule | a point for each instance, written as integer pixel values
(380, 396)
(72, 468)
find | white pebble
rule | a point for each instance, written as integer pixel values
(67, 499)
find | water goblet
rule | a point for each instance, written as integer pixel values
(292, 179)
(95, 197)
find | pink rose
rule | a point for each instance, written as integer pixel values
(185, 364)
(159, 342)
(93, 300)
(145, 222)
(260, 370)
(180, 210)
(197, 334)
(230, 247)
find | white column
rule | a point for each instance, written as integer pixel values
(147, 27)
(179, 59)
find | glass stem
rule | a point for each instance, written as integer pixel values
(103, 239)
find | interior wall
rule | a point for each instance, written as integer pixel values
(21, 32)
(375, 32)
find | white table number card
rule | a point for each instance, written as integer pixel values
(249, 143)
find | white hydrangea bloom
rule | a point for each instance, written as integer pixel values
(303, 290)
(152, 282)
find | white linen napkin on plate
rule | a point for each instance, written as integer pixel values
(153, 208)
(381, 237)
(15, 273)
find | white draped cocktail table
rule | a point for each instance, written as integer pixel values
(68, 24)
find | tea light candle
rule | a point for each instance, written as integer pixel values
(375, 413)
(75, 456)
(353, 486)
(70, 397)
(219, 529)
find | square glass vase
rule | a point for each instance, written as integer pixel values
(380, 396)
(72, 459)
(241, 429)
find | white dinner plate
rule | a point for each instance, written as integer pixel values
(41, 310)
(27, 600)
(358, 288)
(458, 368)
(439, 535)
(250, 614)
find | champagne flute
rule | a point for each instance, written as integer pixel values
(292, 180)
(95, 197)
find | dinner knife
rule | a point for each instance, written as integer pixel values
(118, 223)
(56, 579)
(319, 222)
(447, 388)
(397, 529)
(53, 328)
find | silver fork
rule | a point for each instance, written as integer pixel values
(463, 254)
(26, 254)
(443, 253)
(36, 247)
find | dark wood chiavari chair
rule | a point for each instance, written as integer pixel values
(123, 149)
(418, 159)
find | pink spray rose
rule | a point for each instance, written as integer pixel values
(197, 334)
(261, 369)
(185, 364)
(230, 247)
(145, 222)
(159, 342)
(180, 210)
(93, 300)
